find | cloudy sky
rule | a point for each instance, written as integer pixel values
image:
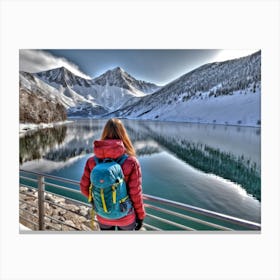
(157, 66)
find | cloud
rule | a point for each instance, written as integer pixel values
(36, 60)
(228, 54)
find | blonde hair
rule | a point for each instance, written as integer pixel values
(114, 129)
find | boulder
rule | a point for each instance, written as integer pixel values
(70, 223)
(85, 228)
(84, 211)
(82, 219)
(72, 207)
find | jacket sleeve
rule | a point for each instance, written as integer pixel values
(85, 180)
(133, 177)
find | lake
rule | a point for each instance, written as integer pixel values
(214, 167)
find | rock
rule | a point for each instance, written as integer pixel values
(23, 206)
(61, 218)
(23, 189)
(72, 207)
(29, 199)
(47, 206)
(62, 212)
(85, 228)
(48, 197)
(35, 194)
(70, 223)
(49, 211)
(84, 211)
(58, 200)
(54, 199)
(82, 219)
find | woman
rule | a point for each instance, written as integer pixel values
(114, 143)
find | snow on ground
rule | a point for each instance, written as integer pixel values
(25, 127)
(237, 109)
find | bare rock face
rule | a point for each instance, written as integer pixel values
(38, 103)
(36, 109)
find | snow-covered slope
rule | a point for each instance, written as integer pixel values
(236, 109)
(108, 92)
(226, 92)
(119, 78)
(62, 76)
(31, 83)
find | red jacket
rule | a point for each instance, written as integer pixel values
(132, 175)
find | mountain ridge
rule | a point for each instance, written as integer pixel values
(120, 78)
(213, 89)
(179, 99)
(109, 91)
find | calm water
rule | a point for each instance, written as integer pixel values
(213, 167)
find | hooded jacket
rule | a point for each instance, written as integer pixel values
(132, 175)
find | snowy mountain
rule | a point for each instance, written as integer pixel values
(119, 78)
(226, 92)
(38, 102)
(71, 101)
(62, 76)
(104, 94)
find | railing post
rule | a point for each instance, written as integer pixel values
(41, 200)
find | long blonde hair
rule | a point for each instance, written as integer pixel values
(114, 129)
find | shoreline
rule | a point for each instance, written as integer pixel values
(26, 127)
(170, 121)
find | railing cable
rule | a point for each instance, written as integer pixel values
(42, 184)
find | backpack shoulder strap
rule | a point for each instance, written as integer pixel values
(97, 160)
(120, 160)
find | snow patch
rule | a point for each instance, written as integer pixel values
(26, 127)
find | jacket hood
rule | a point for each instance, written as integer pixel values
(112, 148)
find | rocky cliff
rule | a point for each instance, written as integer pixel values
(38, 104)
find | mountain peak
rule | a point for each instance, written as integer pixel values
(117, 69)
(120, 78)
(63, 76)
(64, 69)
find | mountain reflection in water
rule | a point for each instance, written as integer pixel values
(229, 152)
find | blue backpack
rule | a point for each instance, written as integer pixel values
(108, 190)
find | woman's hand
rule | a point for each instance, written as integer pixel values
(139, 224)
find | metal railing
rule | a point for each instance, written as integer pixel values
(161, 214)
